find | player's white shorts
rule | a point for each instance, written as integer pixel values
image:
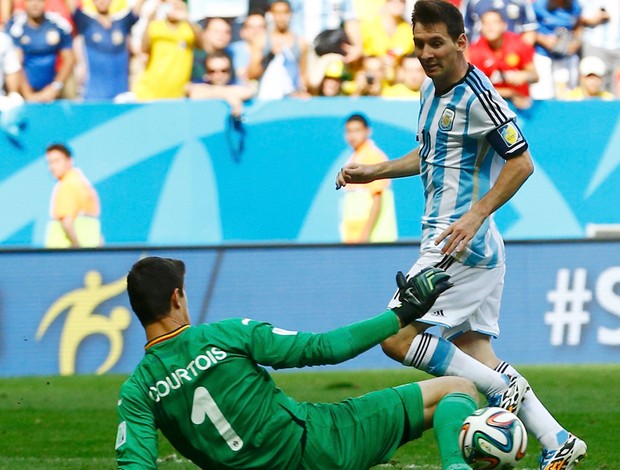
(472, 304)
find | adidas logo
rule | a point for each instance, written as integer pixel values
(438, 313)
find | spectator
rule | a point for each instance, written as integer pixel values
(601, 38)
(370, 79)
(278, 57)
(330, 76)
(591, 73)
(116, 6)
(57, 7)
(312, 17)
(6, 10)
(254, 26)
(11, 76)
(387, 35)
(368, 213)
(42, 38)
(333, 77)
(219, 84)
(558, 41)
(10, 68)
(74, 207)
(169, 43)
(518, 14)
(365, 8)
(106, 52)
(216, 36)
(505, 58)
(409, 78)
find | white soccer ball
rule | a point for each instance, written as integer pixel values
(493, 438)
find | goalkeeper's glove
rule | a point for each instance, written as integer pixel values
(418, 293)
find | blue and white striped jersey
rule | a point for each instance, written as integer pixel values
(465, 135)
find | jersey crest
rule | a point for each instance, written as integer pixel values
(446, 121)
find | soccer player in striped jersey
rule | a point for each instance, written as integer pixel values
(204, 388)
(472, 159)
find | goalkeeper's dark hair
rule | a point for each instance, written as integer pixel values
(429, 12)
(150, 285)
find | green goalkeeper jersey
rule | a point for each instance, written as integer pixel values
(203, 386)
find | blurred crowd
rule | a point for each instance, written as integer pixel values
(237, 50)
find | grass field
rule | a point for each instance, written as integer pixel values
(70, 422)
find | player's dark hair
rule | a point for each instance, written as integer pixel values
(429, 12)
(150, 285)
(62, 148)
(358, 117)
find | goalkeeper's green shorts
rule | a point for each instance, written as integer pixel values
(361, 432)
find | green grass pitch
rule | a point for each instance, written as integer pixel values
(70, 422)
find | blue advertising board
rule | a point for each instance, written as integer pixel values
(67, 312)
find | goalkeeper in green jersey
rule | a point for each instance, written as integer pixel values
(204, 387)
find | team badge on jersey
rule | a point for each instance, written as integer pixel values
(510, 134)
(52, 37)
(446, 121)
(117, 37)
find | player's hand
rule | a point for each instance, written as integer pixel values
(418, 293)
(354, 173)
(460, 233)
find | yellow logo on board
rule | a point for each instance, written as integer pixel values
(83, 321)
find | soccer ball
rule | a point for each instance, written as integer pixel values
(492, 438)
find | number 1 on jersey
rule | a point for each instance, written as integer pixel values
(204, 405)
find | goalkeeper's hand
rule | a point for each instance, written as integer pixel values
(418, 294)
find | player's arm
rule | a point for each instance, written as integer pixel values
(352, 172)
(516, 170)
(136, 438)
(281, 348)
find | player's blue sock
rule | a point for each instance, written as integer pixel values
(440, 357)
(536, 417)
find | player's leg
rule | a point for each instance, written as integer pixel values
(365, 431)
(478, 346)
(447, 402)
(558, 444)
(414, 347)
(355, 433)
(561, 449)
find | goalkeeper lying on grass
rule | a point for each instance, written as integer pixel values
(204, 387)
